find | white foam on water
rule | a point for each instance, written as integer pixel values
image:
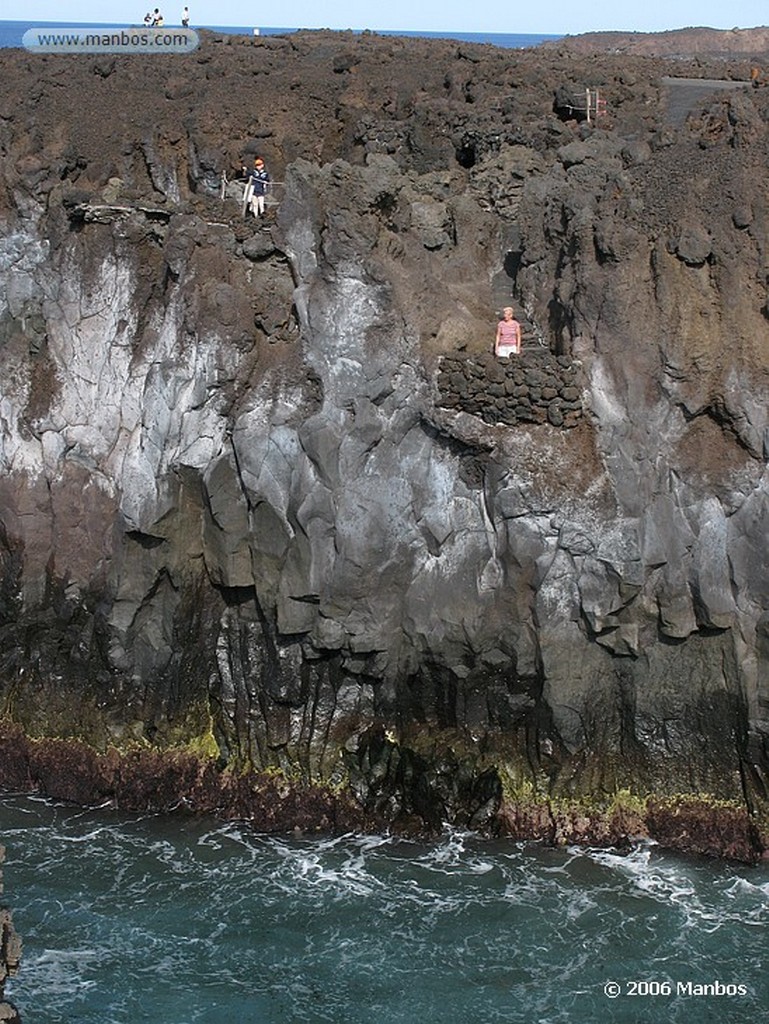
(203, 921)
(59, 973)
(329, 864)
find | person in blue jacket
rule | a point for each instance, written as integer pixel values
(256, 189)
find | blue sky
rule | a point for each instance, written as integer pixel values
(557, 17)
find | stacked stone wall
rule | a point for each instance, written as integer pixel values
(535, 387)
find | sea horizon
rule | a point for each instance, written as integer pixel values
(11, 32)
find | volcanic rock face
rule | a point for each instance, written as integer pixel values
(236, 508)
(10, 955)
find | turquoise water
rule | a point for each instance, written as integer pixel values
(11, 33)
(179, 920)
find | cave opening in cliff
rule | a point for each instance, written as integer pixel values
(466, 155)
(559, 327)
(512, 263)
(385, 204)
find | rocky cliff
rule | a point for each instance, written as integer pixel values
(259, 554)
(10, 956)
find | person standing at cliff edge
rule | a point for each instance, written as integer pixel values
(186, 17)
(258, 183)
(508, 340)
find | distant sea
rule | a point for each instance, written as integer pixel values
(11, 33)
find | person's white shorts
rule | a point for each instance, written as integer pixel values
(506, 351)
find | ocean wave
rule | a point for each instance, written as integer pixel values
(195, 921)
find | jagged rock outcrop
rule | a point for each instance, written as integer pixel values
(233, 511)
(10, 956)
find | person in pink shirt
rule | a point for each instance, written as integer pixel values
(508, 341)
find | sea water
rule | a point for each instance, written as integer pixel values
(183, 920)
(11, 33)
